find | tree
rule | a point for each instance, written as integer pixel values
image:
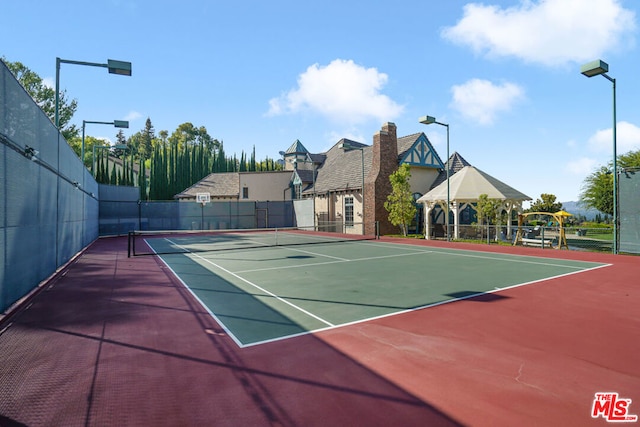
(120, 140)
(629, 160)
(487, 209)
(546, 203)
(400, 204)
(147, 137)
(185, 134)
(597, 188)
(45, 97)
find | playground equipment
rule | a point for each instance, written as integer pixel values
(536, 236)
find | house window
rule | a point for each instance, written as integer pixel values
(348, 211)
(245, 192)
(297, 188)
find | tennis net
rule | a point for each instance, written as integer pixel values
(190, 241)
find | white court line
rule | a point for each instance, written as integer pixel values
(308, 313)
(458, 252)
(435, 304)
(331, 326)
(205, 306)
(314, 253)
(288, 267)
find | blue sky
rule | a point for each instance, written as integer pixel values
(503, 74)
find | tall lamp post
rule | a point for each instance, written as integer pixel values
(114, 67)
(347, 146)
(428, 120)
(595, 68)
(116, 123)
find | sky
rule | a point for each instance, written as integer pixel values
(503, 74)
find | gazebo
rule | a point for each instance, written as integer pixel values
(465, 188)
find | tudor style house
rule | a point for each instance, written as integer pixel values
(349, 183)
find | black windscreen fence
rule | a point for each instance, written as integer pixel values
(48, 199)
(120, 213)
(629, 204)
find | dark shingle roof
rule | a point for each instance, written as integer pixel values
(297, 148)
(342, 169)
(455, 163)
(225, 184)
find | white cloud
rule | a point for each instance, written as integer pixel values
(481, 100)
(342, 91)
(548, 32)
(627, 139)
(582, 166)
(133, 115)
(48, 82)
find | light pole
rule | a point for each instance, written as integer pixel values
(116, 123)
(347, 146)
(595, 68)
(427, 120)
(115, 67)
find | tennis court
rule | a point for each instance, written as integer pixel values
(263, 286)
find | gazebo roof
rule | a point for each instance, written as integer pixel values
(468, 184)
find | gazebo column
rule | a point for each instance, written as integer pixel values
(456, 219)
(509, 205)
(427, 220)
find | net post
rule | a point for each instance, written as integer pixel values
(129, 245)
(377, 230)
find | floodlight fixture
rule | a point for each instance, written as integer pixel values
(427, 120)
(122, 68)
(594, 68)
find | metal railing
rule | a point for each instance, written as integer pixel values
(577, 238)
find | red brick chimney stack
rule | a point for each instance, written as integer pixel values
(377, 186)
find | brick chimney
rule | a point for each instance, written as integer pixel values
(377, 186)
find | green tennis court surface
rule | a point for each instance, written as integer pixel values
(264, 294)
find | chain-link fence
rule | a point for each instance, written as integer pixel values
(575, 237)
(48, 199)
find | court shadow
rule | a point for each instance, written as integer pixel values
(8, 422)
(476, 296)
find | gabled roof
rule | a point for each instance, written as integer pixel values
(225, 184)
(416, 150)
(342, 169)
(468, 184)
(455, 163)
(305, 175)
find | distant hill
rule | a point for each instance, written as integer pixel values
(577, 208)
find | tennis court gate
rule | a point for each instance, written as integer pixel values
(629, 205)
